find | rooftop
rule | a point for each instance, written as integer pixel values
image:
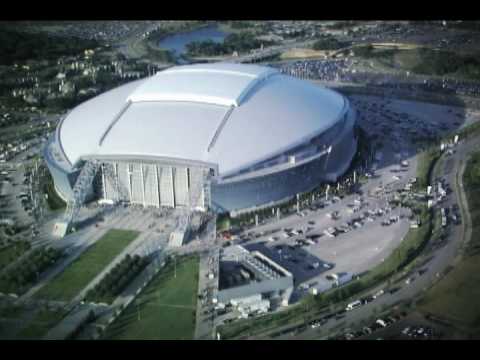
(231, 115)
(217, 84)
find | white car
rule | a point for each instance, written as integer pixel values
(409, 280)
(353, 305)
(381, 323)
(315, 325)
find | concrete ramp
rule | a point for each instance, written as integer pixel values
(60, 229)
(176, 239)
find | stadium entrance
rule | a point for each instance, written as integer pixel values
(155, 184)
(151, 184)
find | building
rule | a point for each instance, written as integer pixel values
(251, 277)
(241, 135)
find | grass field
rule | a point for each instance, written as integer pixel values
(165, 310)
(54, 201)
(38, 327)
(426, 163)
(70, 282)
(456, 297)
(471, 180)
(422, 60)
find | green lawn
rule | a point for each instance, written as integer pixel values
(456, 297)
(165, 310)
(471, 180)
(38, 327)
(54, 201)
(77, 276)
(426, 162)
(424, 61)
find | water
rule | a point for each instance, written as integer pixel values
(177, 43)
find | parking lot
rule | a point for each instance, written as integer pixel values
(350, 233)
(312, 253)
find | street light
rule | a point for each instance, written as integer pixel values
(138, 310)
(175, 267)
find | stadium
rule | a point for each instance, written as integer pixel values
(221, 136)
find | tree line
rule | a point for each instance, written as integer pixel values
(117, 279)
(18, 46)
(23, 274)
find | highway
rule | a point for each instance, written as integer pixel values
(451, 168)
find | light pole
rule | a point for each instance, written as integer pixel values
(175, 267)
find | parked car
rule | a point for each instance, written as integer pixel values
(378, 294)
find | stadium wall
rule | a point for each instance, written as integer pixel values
(281, 185)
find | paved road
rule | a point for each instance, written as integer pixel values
(204, 329)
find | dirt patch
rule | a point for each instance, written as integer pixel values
(304, 53)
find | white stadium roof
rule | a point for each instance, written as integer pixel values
(229, 114)
(224, 84)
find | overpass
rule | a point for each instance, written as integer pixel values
(257, 55)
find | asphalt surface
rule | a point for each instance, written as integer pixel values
(443, 257)
(361, 248)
